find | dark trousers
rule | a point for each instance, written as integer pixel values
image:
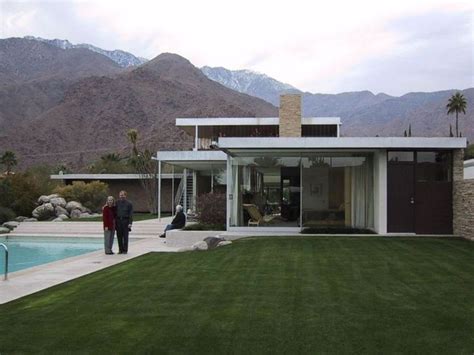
(122, 234)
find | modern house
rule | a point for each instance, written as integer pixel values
(289, 172)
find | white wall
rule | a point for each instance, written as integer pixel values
(380, 191)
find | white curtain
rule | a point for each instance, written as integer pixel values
(362, 195)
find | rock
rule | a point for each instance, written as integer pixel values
(57, 219)
(46, 198)
(58, 202)
(212, 242)
(60, 210)
(11, 225)
(74, 205)
(224, 242)
(21, 218)
(63, 217)
(31, 220)
(4, 230)
(202, 245)
(45, 211)
(75, 213)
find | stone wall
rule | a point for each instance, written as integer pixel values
(463, 199)
(463, 208)
(290, 115)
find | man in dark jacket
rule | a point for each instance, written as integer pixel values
(123, 221)
(178, 222)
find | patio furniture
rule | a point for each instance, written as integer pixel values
(256, 217)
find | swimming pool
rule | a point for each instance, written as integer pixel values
(25, 252)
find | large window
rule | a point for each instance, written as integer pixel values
(308, 189)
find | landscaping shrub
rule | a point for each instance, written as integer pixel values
(204, 227)
(6, 214)
(92, 195)
(211, 208)
(20, 192)
(469, 152)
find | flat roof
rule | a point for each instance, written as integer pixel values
(342, 143)
(251, 121)
(211, 156)
(106, 176)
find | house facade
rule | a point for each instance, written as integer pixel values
(291, 172)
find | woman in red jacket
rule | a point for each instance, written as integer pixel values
(109, 212)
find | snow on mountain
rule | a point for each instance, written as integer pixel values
(249, 82)
(122, 58)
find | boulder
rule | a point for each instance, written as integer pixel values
(63, 217)
(57, 219)
(11, 225)
(58, 210)
(43, 212)
(21, 218)
(58, 202)
(212, 242)
(31, 220)
(46, 198)
(224, 242)
(4, 230)
(202, 245)
(74, 205)
(75, 213)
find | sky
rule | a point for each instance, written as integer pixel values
(333, 46)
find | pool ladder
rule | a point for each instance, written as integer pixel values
(5, 278)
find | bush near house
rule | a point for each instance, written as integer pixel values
(6, 214)
(469, 152)
(92, 195)
(211, 208)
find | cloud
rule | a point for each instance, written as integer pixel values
(392, 46)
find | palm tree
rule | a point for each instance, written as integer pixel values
(9, 160)
(132, 135)
(457, 103)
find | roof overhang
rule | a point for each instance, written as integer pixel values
(190, 124)
(107, 176)
(195, 159)
(299, 143)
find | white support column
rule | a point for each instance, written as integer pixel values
(194, 190)
(185, 194)
(159, 190)
(196, 138)
(338, 130)
(172, 190)
(380, 191)
(228, 191)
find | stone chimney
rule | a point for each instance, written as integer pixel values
(290, 115)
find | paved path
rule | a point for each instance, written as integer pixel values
(28, 281)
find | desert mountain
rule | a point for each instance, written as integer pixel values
(34, 76)
(362, 112)
(122, 58)
(96, 112)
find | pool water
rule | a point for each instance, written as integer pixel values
(25, 252)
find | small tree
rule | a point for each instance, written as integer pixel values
(456, 104)
(9, 160)
(132, 135)
(409, 130)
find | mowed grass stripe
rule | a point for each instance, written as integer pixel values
(261, 295)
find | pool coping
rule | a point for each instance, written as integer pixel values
(31, 280)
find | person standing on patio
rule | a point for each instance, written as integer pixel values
(123, 222)
(109, 211)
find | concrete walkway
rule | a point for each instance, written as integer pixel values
(28, 281)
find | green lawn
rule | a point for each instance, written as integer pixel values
(257, 296)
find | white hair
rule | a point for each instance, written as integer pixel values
(179, 208)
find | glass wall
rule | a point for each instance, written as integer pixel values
(289, 189)
(338, 190)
